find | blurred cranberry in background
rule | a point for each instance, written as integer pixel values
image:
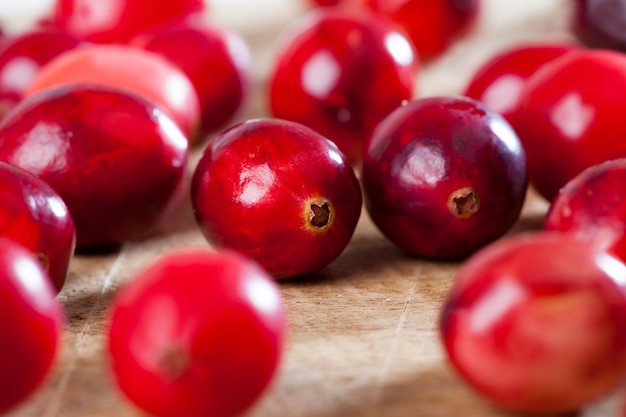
(601, 23)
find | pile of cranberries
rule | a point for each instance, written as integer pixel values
(103, 103)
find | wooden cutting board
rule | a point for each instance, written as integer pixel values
(363, 338)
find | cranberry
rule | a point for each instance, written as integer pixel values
(216, 60)
(500, 81)
(593, 207)
(129, 68)
(432, 25)
(537, 323)
(117, 161)
(31, 325)
(600, 23)
(119, 20)
(22, 56)
(331, 66)
(197, 334)
(570, 116)
(443, 176)
(279, 193)
(35, 216)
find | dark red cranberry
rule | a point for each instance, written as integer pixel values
(116, 159)
(600, 23)
(340, 72)
(21, 58)
(570, 116)
(444, 176)
(216, 60)
(35, 216)
(499, 82)
(279, 193)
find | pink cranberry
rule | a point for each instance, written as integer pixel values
(216, 60)
(592, 206)
(21, 58)
(600, 23)
(279, 193)
(443, 176)
(500, 81)
(537, 323)
(117, 161)
(119, 20)
(340, 71)
(570, 116)
(34, 215)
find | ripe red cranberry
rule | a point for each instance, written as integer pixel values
(119, 20)
(216, 60)
(570, 116)
(432, 25)
(537, 323)
(443, 176)
(600, 23)
(117, 161)
(340, 71)
(129, 68)
(279, 193)
(499, 82)
(34, 215)
(21, 58)
(31, 326)
(197, 333)
(592, 206)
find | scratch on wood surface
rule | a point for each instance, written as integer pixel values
(56, 400)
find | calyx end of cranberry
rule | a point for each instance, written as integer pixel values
(174, 361)
(319, 214)
(464, 202)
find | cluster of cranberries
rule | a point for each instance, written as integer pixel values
(102, 103)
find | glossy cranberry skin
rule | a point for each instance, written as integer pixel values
(279, 193)
(129, 68)
(570, 117)
(35, 216)
(197, 333)
(340, 71)
(499, 82)
(31, 326)
(119, 20)
(21, 58)
(537, 323)
(592, 207)
(600, 23)
(116, 160)
(432, 25)
(444, 176)
(216, 60)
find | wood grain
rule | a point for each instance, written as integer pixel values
(363, 337)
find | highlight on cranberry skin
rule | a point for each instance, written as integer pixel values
(117, 161)
(32, 324)
(340, 71)
(537, 323)
(35, 216)
(196, 334)
(279, 193)
(592, 206)
(444, 176)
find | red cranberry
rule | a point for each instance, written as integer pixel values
(331, 66)
(279, 193)
(537, 323)
(117, 161)
(133, 69)
(593, 207)
(119, 20)
(31, 326)
(22, 56)
(570, 116)
(600, 23)
(197, 334)
(500, 81)
(35, 216)
(443, 176)
(216, 60)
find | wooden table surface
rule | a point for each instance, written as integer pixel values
(363, 338)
